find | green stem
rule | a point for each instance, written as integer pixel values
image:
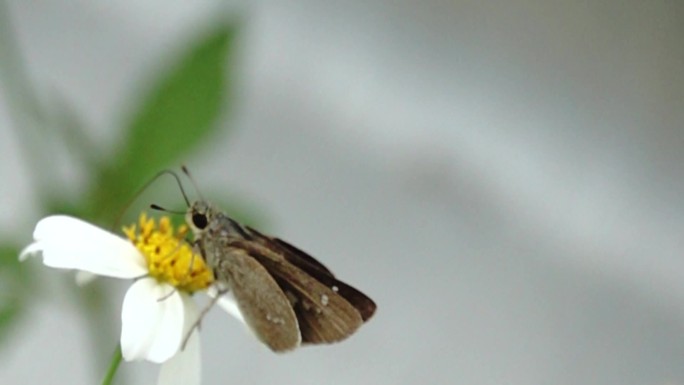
(113, 367)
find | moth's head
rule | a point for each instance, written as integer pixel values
(198, 217)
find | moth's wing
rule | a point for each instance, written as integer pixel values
(364, 305)
(293, 255)
(324, 315)
(310, 265)
(262, 302)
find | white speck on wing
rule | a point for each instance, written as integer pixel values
(324, 300)
(335, 289)
(275, 320)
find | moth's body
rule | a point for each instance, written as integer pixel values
(285, 295)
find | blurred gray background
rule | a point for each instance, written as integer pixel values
(504, 178)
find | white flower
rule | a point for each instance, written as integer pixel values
(157, 311)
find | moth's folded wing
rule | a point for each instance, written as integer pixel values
(324, 315)
(263, 304)
(311, 266)
(291, 253)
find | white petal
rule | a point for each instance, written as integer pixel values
(70, 243)
(152, 321)
(29, 251)
(228, 303)
(185, 367)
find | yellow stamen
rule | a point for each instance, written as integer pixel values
(169, 257)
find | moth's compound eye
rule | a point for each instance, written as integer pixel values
(200, 221)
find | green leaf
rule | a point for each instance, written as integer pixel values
(179, 112)
(15, 284)
(16, 272)
(10, 311)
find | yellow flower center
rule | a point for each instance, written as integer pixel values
(169, 257)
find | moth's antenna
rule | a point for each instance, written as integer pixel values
(159, 208)
(145, 186)
(192, 180)
(180, 185)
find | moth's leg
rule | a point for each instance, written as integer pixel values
(204, 312)
(147, 275)
(167, 295)
(197, 247)
(192, 260)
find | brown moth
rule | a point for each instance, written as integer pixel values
(286, 296)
